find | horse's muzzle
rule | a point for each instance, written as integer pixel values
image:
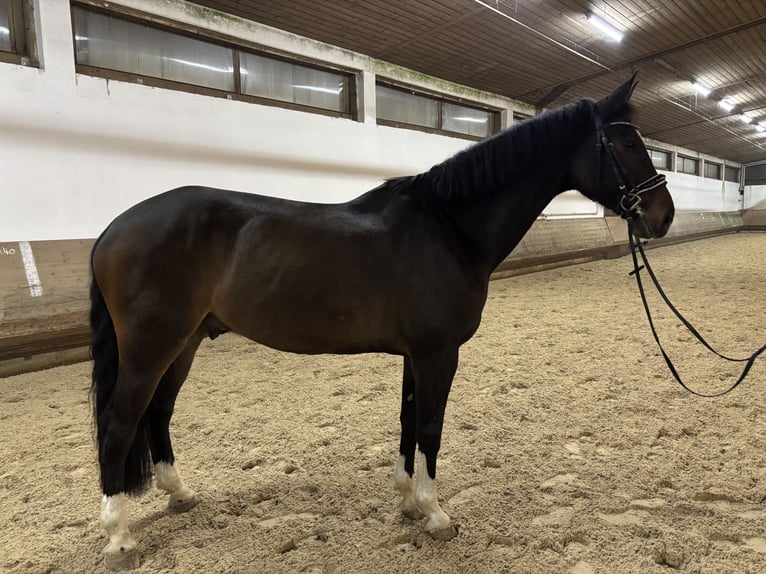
(647, 225)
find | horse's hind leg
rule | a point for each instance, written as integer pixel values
(123, 451)
(124, 430)
(160, 412)
(405, 465)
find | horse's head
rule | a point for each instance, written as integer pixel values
(613, 167)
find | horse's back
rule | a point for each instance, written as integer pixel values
(297, 276)
(241, 257)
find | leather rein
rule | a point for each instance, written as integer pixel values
(628, 208)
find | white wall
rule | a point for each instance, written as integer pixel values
(755, 196)
(77, 150)
(694, 193)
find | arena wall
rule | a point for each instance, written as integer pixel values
(76, 150)
(755, 197)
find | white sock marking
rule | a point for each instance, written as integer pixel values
(405, 484)
(169, 479)
(426, 497)
(114, 518)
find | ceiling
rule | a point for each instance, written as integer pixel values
(545, 53)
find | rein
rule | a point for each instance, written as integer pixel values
(635, 245)
(629, 207)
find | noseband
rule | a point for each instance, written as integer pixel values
(630, 196)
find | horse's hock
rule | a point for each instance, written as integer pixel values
(44, 304)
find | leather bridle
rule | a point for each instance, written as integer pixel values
(629, 205)
(629, 208)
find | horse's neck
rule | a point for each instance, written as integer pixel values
(498, 222)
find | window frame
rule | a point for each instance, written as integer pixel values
(737, 172)
(23, 47)
(719, 170)
(145, 19)
(668, 155)
(689, 158)
(440, 99)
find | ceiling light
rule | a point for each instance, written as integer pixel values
(605, 27)
(469, 119)
(702, 89)
(745, 118)
(760, 128)
(726, 104)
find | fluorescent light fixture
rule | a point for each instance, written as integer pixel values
(321, 89)
(603, 26)
(760, 128)
(191, 64)
(702, 89)
(469, 119)
(726, 104)
(745, 118)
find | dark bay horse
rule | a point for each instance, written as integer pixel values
(402, 269)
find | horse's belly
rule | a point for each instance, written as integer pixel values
(313, 329)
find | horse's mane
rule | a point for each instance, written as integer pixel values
(493, 164)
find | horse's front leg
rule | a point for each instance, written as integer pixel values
(433, 379)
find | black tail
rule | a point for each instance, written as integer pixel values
(105, 354)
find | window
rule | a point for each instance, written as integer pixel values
(14, 41)
(115, 47)
(660, 159)
(731, 174)
(403, 108)
(111, 43)
(687, 165)
(413, 109)
(5, 27)
(755, 174)
(712, 170)
(465, 120)
(289, 82)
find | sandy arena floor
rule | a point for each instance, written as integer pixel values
(568, 447)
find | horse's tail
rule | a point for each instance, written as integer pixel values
(105, 354)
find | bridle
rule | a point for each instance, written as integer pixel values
(629, 208)
(629, 205)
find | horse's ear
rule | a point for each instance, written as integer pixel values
(617, 103)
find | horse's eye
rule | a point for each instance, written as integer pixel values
(629, 144)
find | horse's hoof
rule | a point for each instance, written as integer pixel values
(412, 513)
(183, 505)
(444, 534)
(118, 561)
